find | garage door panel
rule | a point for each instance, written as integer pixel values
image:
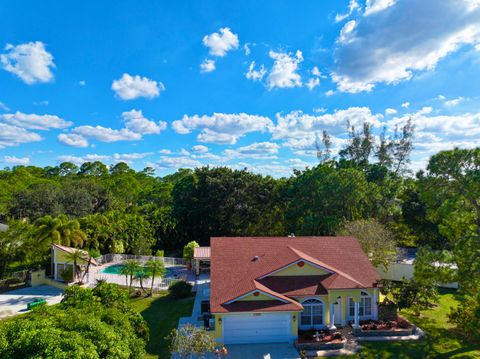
(249, 328)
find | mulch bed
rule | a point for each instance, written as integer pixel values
(324, 337)
(392, 325)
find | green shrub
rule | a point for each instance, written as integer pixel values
(96, 323)
(180, 289)
(188, 250)
(67, 274)
(160, 253)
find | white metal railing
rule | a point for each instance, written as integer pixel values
(111, 257)
(158, 284)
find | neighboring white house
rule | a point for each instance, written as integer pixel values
(402, 268)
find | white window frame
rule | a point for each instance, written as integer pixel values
(362, 307)
(312, 303)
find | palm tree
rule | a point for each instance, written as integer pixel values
(71, 234)
(124, 271)
(131, 267)
(89, 258)
(155, 268)
(76, 256)
(60, 230)
(141, 275)
(48, 231)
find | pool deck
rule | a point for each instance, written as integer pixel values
(96, 274)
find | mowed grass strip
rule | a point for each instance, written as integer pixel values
(161, 313)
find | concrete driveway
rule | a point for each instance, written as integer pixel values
(259, 351)
(15, 302)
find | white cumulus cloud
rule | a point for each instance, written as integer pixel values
(34, 121)
(4, 107)
(453, 102)
(14, 136)
(105, 134)
(207, 65)
(222, 128)
(30, 61)
(16, 160)
(166, 162)
(253, 74)
(200, 149)
(297, 124)
(72, 140)
(219, 43)
(284, 71)
(373, 6)
(259, 150)
(136, 122)
(130, 87)
(346, 31)
(312, 83)
(352, 6)
(393, 43)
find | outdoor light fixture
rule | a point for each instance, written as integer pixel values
(219, 321)
(294, 318)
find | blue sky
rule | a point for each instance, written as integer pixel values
(173, 84)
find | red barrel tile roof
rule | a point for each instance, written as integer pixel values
(236, 272)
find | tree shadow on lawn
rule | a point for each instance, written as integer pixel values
(443, 342)
(162, 314)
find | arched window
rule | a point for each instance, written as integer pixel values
(312, 315)
(364, 308)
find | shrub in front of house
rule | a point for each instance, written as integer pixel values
(387, 310)
(180, 289)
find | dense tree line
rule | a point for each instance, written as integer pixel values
(89, 323)
(121, 210)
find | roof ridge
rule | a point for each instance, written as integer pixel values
(264, 288)
(323, 264)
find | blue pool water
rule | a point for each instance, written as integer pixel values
(117, 269)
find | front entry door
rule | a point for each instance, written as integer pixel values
(338, 312)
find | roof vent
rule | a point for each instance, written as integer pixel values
(256, 258)
(291, 235)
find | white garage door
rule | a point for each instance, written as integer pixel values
(256, 328)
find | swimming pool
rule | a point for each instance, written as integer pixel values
(117, 269)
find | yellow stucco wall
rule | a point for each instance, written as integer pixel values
(38, 278)
(294, 269)
(62, 257)
(218, 327)
(252, 297)
(381, 297)
(294, 321)
(345, 294)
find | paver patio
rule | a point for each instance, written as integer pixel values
(15, 302)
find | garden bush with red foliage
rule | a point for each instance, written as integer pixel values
(398, 324)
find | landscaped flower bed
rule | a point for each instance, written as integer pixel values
(319, 340)
(399, 327)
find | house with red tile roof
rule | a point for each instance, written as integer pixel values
(264, 289)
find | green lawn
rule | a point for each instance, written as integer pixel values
(441, 340)
(162, 313)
